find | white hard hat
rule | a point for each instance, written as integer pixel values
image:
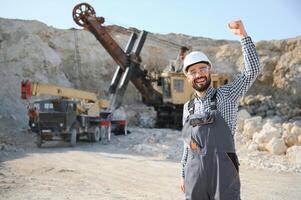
(193, 58)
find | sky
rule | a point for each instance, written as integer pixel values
(263, 19)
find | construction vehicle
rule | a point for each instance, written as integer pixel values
(166, 92)
(69, 116)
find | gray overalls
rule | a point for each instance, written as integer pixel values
(211, 171)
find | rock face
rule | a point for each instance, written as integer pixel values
(74, 58)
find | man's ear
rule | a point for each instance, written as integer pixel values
(189, 80)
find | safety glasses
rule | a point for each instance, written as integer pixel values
(195, 73)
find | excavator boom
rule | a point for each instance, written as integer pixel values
(128, 61)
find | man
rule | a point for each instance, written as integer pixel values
(177, 65)
(210, 165)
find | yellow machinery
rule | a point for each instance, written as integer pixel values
(88, 103)
(72, 114)
(176, 91)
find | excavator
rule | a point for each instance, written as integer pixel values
(70, 115)
(166, 92)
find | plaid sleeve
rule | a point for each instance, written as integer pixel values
(185, 113)
(184, 159)
(252, 68)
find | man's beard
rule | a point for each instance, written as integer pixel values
(201, 88)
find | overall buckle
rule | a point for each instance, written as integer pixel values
(206, 118)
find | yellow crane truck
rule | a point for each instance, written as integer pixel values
(68, 116)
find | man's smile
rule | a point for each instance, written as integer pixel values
(201, 80)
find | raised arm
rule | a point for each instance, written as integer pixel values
(252, 68)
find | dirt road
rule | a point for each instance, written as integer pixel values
(94, 171)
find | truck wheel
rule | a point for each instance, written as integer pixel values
(39, 140)
(95, 136)
(73, 134)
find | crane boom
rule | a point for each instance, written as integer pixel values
(35, 89)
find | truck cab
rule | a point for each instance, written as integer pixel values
(54, 115)
(53, 119)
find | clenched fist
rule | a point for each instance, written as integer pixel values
(238, 28)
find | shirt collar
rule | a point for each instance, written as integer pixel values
(209, 93)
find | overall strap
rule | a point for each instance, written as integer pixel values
(191, 106)
(213, 103)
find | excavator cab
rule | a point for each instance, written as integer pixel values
(175, 88)
(176, 91)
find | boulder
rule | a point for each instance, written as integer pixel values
(252, 125)
(296, 130)
(276, 146)
(242, 115)
(267, 133)
(287, 126)
(253, 146)
(294, 154)
(289, 139)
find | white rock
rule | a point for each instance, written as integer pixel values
(274, 119)
(262, 147)
(294, 154)
(255, 136)
(296, 130)
(252, 125)
(253, 146)
(287, 126)
(242, 115)
(289, 139)
(241, 140)
(299, 139)
(276, 146)
(266, 134)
